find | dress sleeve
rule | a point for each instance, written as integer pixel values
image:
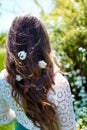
(11, 104)
(7, 115)
(63, 101)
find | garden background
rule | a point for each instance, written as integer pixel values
(66, 21)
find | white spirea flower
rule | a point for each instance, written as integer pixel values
(18, 77)
(42, 64)
(22, 55)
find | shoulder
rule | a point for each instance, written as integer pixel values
(4, 85)
(2, 74)
(60, 81)
(61, 89)
(2, 77)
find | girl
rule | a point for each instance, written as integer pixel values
(32, 85)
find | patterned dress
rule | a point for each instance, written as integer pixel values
(61, 98)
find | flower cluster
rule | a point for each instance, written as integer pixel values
(22, 55)
(18, 77)
(42, 64)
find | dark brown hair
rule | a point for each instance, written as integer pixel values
(28, 34)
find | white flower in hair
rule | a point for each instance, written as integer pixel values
(22, 55)
(42, 64)
(18, 77)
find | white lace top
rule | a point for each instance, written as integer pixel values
(61, 98)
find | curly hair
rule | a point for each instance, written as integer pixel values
(27, 33)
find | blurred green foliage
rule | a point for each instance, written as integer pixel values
(2, 58)
(2, 39)
(2, 49)
(10, 126)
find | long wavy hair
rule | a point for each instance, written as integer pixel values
(28, 34)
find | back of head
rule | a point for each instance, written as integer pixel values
(27, 46)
